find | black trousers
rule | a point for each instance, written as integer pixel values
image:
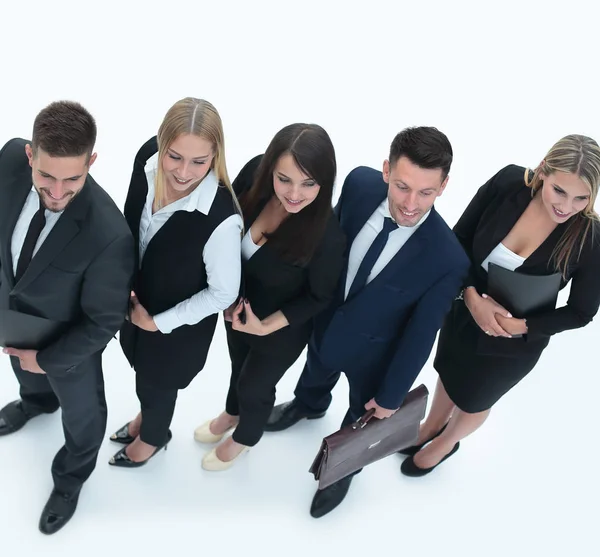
(157, 406)
(257, 365)
(80, 395)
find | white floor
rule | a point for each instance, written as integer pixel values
(504, 82)
(525, 484)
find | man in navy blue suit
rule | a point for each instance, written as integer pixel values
(404, 267)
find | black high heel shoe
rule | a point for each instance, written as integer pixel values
(409, 468)
(122, 435)
(412, 451)
(121, 459)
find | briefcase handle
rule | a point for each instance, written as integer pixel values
(364, 419)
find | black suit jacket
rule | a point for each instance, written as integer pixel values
(487, 220)
(299, 291)
(80, 275)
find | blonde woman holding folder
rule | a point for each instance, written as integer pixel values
(537, 222)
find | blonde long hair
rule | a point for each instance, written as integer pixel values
(197, 117)
(579, 155)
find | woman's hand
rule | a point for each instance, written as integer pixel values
(228, 313)
(485, 312)
(253, 325)
(139, 316)
(512, 325)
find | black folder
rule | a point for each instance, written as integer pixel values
(19, 330)
(523, 295)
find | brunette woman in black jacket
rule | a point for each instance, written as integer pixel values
(292, 258)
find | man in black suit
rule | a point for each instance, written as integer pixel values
(66, 254)
(404, 268)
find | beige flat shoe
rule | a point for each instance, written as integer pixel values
(203, 434)
(213, 463)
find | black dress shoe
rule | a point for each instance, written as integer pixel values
(412, 451)
(13, 417)
(121, 459)
(409, 468)
(287, 414)
(122, 435)
(58, 511)
(325, 500)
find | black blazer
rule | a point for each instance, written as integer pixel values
(487, 220)
(82, 273)
(272, 284)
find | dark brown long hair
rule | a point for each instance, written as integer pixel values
(298, 236)
(579, 155)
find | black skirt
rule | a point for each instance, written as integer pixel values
(475, 369)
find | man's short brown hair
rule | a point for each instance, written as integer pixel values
(64, 129)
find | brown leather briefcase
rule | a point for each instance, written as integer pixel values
(368, 440)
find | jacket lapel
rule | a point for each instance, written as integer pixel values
(133, 214)
(357, 217)
(508, 214)
(416, 245)
(352, 222)
(67, 227)
(17, 191)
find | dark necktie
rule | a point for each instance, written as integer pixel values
(373, 253)
(35, 229)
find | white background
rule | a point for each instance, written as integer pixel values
(503, 80)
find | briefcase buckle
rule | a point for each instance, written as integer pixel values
(364, 419)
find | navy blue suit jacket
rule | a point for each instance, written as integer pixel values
(390, 326)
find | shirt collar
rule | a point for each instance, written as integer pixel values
(201, 199)
(47, 212)
(384, 209)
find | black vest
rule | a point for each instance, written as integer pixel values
(172, 271)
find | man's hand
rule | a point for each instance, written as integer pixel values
(27, 359)
(380, 411)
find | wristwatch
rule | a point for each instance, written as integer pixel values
(461, 294)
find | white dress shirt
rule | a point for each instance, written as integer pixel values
(367, 235)
(30, 208)
(221, 253)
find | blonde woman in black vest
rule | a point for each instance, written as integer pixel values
(184, 216)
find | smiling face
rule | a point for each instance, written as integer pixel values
(187, 161)
(563, 195)
(294, 189)
(58, 179)
(412, 190)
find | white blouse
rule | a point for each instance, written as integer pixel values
(249, 248)
(503, 257)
